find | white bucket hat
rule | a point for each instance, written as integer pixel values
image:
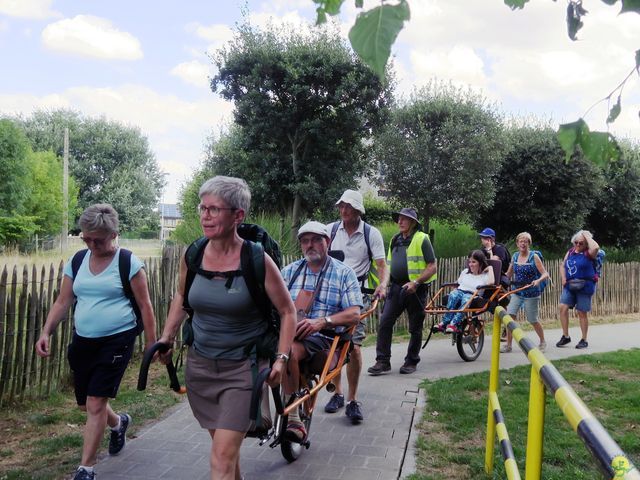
(353, 198)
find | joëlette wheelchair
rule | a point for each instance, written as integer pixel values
(315, 375)
(469, 340)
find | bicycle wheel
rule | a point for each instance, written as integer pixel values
(292, 449)
(470, 340)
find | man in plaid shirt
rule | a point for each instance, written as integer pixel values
(334, 291)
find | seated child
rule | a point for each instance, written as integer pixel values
(478, 273)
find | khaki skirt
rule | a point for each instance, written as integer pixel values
(219, 392)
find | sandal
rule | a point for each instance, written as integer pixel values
(295, 432)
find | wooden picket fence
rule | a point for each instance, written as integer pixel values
(26, 295)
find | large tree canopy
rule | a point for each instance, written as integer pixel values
(111, 162)
(538, 192)
(304, 106)
(14, 168)
(440, 153)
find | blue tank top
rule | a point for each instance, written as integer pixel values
(525, 273)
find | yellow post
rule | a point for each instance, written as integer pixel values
(494, 378)
(533, 466)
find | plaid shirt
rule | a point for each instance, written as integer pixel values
(339, 290)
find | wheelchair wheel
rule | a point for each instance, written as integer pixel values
(470, 340)
(291, 449)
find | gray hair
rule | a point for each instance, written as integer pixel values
(579, 234)
(100, 216)
(233, 191)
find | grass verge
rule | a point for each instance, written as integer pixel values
(451, 443)
(42, 439)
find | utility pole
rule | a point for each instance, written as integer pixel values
(65, 193)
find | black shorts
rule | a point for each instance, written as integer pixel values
(98, 364)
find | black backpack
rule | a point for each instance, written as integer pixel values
(124, 267)
(257, 242)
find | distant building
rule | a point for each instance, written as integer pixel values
(170, 217)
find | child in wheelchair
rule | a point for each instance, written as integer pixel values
(478, 273)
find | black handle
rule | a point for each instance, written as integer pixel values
(174, 383)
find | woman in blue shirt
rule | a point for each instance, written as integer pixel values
(578, 275)
(105, 329)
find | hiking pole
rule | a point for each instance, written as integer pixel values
(171, 369)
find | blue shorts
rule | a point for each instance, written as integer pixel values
(582, 301)
(530, 305)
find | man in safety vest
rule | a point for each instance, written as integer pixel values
(363, 250)
(413, 266)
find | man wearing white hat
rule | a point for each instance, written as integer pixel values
(363, 250)
(327, 295)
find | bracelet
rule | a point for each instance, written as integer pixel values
(282, 356)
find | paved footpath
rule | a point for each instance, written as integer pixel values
(381, 448)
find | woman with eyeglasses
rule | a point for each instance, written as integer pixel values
(578, 275)
(105, 329)
(226, 321)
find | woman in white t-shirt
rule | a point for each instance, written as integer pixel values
(478, 273)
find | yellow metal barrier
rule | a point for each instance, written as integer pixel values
(612, 461)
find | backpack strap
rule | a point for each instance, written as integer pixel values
(193, 258)
(124, 267)
(334, 230)
(367, 232)
(76, 261)
(254, 273)
(302, 265)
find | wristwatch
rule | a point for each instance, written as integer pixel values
(417, 283)
(328, 321)
(282, 356)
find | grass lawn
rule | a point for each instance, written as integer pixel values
(43, 439)
(451, 443)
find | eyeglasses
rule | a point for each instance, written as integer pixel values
(578, 243)
(213, 211)
(96, 241)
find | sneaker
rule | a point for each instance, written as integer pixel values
(295, 432)
(407, 368)
(82, 474)
(451, 328)
(563, 341)
(119, 438)
(503, 335)
(582, 344)
(543, 346)
(379, 368)
(353, 412)
(335, 403)
(441, 327)
(505, 349)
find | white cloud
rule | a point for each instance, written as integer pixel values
(194, 73)
(91, 36)
(217, 33)
(32, 9)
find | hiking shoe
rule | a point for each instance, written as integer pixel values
(505, 349)
(543, 346)
(353, 412)
(407, 368)
(82, 474)
(582, 344)
(379, 368)
(335, 403)
(295, 432)
(451, 328)
(563, 341)
(118, 437)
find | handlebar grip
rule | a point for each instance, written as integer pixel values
(171, 369)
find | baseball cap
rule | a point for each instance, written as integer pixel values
(488, 232)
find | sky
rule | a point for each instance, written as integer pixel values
(147, 63)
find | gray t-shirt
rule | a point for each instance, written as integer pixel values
(399, 270)
(225, 320)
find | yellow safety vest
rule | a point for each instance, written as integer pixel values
(415, 260)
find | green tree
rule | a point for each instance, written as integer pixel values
(440, 153)
(305, 107)
(111, 162)
(45, 201)
(536, 191)
(14, 168)
(616, 215)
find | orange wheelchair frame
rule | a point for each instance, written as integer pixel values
(469, 340)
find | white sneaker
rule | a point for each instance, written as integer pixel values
(505, 349)
(543, 346)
